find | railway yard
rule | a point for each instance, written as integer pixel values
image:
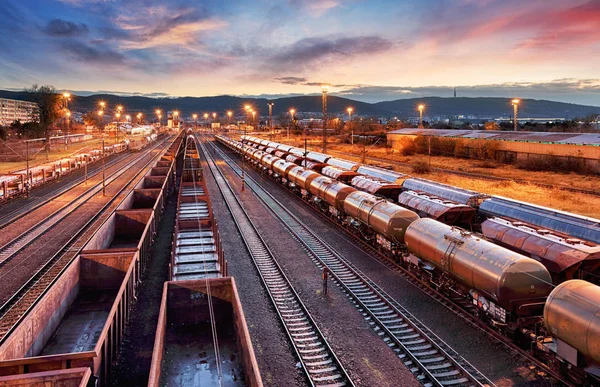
(205, 259)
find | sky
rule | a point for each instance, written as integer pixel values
(370, 50)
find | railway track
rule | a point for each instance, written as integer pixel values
(10, 249)
(477, 175)
(13, 216)
(432, 361)
(319, 362)
(455, 306)
(17, 307)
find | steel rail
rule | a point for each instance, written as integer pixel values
(452, 305)
(38, 284)
(425, 354)
(318, 360)
(19, 213)
(12, 248)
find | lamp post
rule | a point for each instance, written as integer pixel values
(158, 113)
(205, 115)
(214, 115)
(175, 115)
(101, 113)
(292, 112)
(195, 117)
(515, 103)
(68, 115)
(243, 164)
(139, 118)
(66, 97)
(421, 108)
(350, 110)
(271, 116)
(118, 115)
(229, 114)
(324, 90)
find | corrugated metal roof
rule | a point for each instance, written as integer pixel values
(592, 139)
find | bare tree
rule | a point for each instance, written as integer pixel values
(48, 101)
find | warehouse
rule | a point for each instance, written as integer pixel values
(580, 148)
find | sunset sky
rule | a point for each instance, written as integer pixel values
(370, 50)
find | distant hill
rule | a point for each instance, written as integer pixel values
(435, 106)
(487, 107)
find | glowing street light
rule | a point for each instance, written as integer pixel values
(421, 108)
(515, 103)
(350, 110)
(292, 112)
(271, 116)
(100, 114)
(158, 113)
(102, 104)
(229, 114)
(195, 117)
(324, 91)
(118, 116)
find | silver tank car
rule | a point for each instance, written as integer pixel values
(282, 167)
(333, 192)
(508, 278)
(385, 218)
(572, 314)
(268, 160)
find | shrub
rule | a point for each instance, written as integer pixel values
(421, 167)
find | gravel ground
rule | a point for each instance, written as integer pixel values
(366, 357)
(135, 354)
(18, 270)
(273, 352)
(501, 366)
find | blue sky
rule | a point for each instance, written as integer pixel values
(370, 50)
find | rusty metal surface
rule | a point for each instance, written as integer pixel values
(572, 314)
(75, 377)
(504, 276)
(559, 253)
(377, 187)
(431, 206)
(183, 333)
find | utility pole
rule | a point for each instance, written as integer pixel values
(271, 116)
(27, 160)
(515, 103)
(243, 163)
(103, 180)
(324, 89)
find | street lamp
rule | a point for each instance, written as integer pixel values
(421, 108)
(139, 117)
(350, 110)
(229, 114)
(175, 115)
(205, 115)
(292, 112)
(101, 113)
(324, 91)
(68, 115)
(195, 117)
(515, 103)
(66, 97)
(158, 113)
(271, 116)
(118, 115)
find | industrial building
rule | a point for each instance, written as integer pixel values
(514, 146)
(12, 110)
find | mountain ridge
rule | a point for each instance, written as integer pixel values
(481, 107)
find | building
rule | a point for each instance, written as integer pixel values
(12, 110)
(511, 146)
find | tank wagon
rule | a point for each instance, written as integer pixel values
(458, 195)
(504, 284)
(570, 224)
(506, 289)
(382, 174)
(431, 206)
(565, 257)
(572, 319)
(377, 187)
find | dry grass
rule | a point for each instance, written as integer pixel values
(582, 204)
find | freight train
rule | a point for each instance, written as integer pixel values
(512, 292)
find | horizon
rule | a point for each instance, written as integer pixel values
(372, 51)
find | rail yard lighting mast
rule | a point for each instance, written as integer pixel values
(66, 98)
(205, 115)
(101, 113)
(350, 110)
(324, 91)
(271, 116)
(292, 112)
(118, 115)
(139, 118)
(158, 115)
(68, 115)
(515, 103)
(229, 114)
(195, 117)
(421, 108)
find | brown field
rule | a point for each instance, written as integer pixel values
(586, 205)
